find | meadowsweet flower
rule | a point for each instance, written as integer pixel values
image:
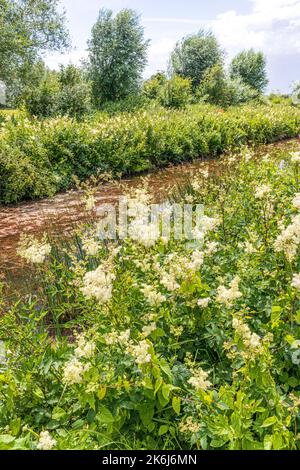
(121, 338)
(199, 380)
(296, 281)
(295, 157)
(34, 251)
(189, 426)
(148, 330)
(90, 203)
(46, 442)
(140, 352)
(211, 248)
(262, 191)
(84, 348)
(169, 282)
(73, 372)
(90, 246)
(249, 248)
(252, 342)
(289, 239)
(296, 201)
(153, 297)
(98, 284)
(196, 261)
(228, 296)
(203, 303)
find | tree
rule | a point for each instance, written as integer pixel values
(213, 87)
(194, 55)
(75, 92)
(250, 66)
(28, 28)
(117, 55)
(216, 88)
(66, 92)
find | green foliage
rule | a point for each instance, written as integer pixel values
(129, 143)
(250, 66)
(208, 361)
(67, 92)
(117, 55)
(27, 29)
(194, 55)
(152, 86)
(214, 88)
(175, 93)
(43, 100)
(75, 92)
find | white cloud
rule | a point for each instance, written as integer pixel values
(273, 26)
(172, 20)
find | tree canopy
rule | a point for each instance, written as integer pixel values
(250, 66)
(194, 55)
(28, 28)
(117, 55)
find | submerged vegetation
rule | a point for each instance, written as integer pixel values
(158, 344)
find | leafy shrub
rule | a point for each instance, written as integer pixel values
(216, 88)
(132, 142)
(43, 101)
(176, 92)
(152, 86)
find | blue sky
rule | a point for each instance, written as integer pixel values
(269, 25)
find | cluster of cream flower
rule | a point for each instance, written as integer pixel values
(169, 281)
(228, 296)
(295, 157)
(189, 426)
(296, 201)
(199, 380)
(153, 297)
(73, 371)
(140, 352)
(84, 347)
(98, 284)
(90, 203)
(296, 281)
(197, 261)
(289, 238)
(90, 245)
(205, 225)
(121, 338)
(262, 191)
(46, 442)
(34, 251)
(251, 341)
(203, 303)
(149, 329)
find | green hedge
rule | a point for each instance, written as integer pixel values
(39, 158)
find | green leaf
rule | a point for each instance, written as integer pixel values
(269, 422)
(176, 404)
(146, 412)
(275, 316)
(163, 430)
(104, 416)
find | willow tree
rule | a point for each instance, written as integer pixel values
(117, 55)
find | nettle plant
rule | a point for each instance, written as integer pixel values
(159, 343)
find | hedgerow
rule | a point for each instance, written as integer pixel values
(52, 152)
